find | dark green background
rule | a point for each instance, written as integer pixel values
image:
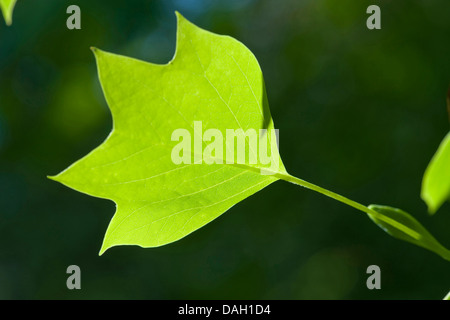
(360, 112)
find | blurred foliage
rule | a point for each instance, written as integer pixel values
(360, 112)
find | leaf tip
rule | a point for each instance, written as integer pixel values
(54, 178)
(107, 242)
(59, 178)
(178, 15)
(8, 11)
(431, 206)
(181, 20)
(447, 297)
(105, 246)
(96, 51)
(427, 196)
(102, 251)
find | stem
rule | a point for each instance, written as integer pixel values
(326, 192)
(416, 234)
(354, 204)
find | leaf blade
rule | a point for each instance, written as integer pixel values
(406, 223)
(436, 180)
(211, 78)
(7, 7)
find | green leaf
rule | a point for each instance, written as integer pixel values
(213, 79)
(405, 227)
(7, 7)
(436, 180)
(447, 297)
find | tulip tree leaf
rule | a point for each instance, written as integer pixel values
(7, 7)
(212, 79)
(436, 180)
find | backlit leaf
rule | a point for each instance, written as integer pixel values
(436, 180)
(408, 229)
(7, 7)
(212, 78)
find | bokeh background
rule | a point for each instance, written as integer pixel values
(360, 112)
